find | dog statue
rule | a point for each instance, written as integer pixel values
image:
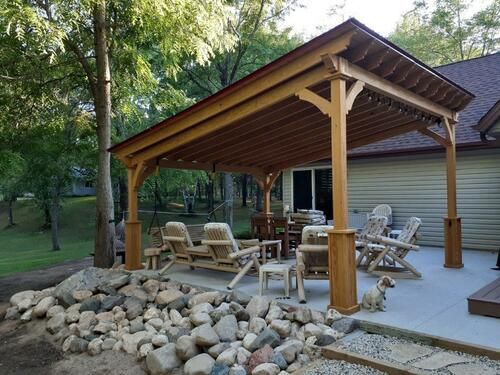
(373, 299)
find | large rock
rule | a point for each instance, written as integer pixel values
(109, 302)
(248, 340)
(86, 279)
(266, 337)
(282, 327)
(40, 310)
(324, 340)
(262, 355)
(56, 323)
(289, 349)
(134, 291)
(258, 306)
(266, 369)
(80, 295)
(20, 296)
(202, 364)
(311, 329)
(217, 349)
(203, 307)
(95, 347)
(163, 360)
(87, 319)
(243, 356)
(159, 340)
(274, 313)
(56, 309)
(257, 325)
(205, 336)
(240, 297)
(345, 325)
(134, 307)
(279, 360)
(226, 328)
(220, 369)
(239, 311)
(25, 304)
(207, 297)
(300, 314)
(167, 296)
(227, 357)
(186, 348)
(75, 344)
(130, 341)
(151, 287)
(200, 318)
(91, 304)
(332, 315)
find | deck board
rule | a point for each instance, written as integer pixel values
(486, 301)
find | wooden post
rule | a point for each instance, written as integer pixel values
(341, 240)
(133, 226)
(452, 223)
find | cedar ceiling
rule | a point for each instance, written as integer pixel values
(292, 131)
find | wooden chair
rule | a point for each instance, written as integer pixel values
(261, 227)
(375, 226)
(383, 210)
(393, 251)
(176, 236)
(312, 257)
(279, 231)
(153, 253)
(227, 255)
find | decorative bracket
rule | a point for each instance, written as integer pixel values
(450, 130)
(321, 103)
(352, 93)
(429, 133)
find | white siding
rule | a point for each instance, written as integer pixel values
(416, 186)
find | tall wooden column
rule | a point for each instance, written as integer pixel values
(341, 240)
(452, 223)
(133, 226)
(266, 183)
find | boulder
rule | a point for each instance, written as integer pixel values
(202, 364)
(221, 311)
(24, 305)
(207, 297)
(130, 341)
(257, 325)
(239, 311)
(240, 297)
(95, 347)
(262, 355)
(205, 336)
(203, 307)
(91, 304)
(80, 295)
(163, 360)
(134, 291)
(27, 315)
(56, 323)
(237, 370)
(300, 314)
(167, 296)
(56, 309)
(12, 313)
(116, 280)
(109, 302)
(274, 313)
(248, 340)
(106, 316)
(266, 369)
(159, 340)
(151, 313)
(144, 350)
(105, 327)
(226, 328)
(227, 357)
(200, 318)
(40, 310)
(345, 325)
(20, 296)
(75, 344)
(173, 333)
(266, 337)
(87, 279)
(279, 360)
(151, 287)
(87, 319)
(332, 315)
(179, 303)
(324, 340)
(282, 327)
(311, 329)
(217, 349)
(289, 349)
(156, 323)
(108, 344)
(175, 316)
(220, 369)
(134, 307)
(258, 306)
(186, 348)
(243, 356)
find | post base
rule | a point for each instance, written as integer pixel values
(342, 266)
(133, 245)
(453, 242)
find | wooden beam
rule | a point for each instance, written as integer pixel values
(132, 225)
(352, 93)
(385, 87)
(321, 103)
(253, 88)
(431, 134)
(164, 163)
(450, 131)
(270, 97)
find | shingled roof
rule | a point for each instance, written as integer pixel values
(480, 76)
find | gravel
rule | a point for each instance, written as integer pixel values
(331, 367)
(379, 346)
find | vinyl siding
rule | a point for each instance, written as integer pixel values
(416, 186)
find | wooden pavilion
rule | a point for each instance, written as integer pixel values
(346, 88)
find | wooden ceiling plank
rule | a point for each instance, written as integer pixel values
(164, 163)
(302, 159)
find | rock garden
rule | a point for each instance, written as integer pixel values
(177, 328)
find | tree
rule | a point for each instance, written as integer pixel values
(448, 31)
(11, 171)
(104, 39)
(258, 41)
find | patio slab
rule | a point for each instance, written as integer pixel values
(435, 304)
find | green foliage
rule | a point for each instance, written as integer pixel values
(448, 31)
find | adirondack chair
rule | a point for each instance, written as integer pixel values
(383, 210)
(227, 255)
(393, 251)
(176, 236)
(375, 226)
(312, 257)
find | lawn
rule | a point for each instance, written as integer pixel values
(26, 246)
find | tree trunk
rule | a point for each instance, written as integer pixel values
(244, 192)
(228, 198)
(122, 186)
(54, 220)
(46, 214)
(10, 213)
(258, 199)
(221, 183)
(105, 229)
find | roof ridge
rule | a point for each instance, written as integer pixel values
(464, 61)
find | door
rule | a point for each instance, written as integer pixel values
(302, 190)
(323, 191)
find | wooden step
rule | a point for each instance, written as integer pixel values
(486, 301)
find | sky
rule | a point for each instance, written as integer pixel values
(380, 15)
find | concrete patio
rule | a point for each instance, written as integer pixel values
(435, 304)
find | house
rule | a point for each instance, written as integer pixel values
(82, 183)
(408, 172)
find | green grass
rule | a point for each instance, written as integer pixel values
(26, 246)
